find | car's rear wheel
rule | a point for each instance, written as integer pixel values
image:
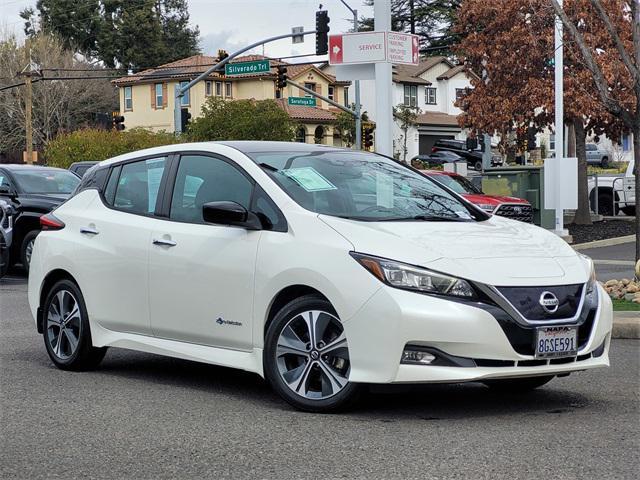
(518, 385)
(478, 165)
(26, 249)
(66, 332)
(604, 163)
(306, 356)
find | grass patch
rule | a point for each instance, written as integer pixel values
(625, 306)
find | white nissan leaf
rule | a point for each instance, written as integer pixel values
(320, 269)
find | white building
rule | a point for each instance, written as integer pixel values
(433, 87)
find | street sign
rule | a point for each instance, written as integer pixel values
(373, 47)
(402, 48)
(361, 47)
(243, 68)
(297, 38)
(302, 101)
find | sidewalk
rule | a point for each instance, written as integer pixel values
(626, 325)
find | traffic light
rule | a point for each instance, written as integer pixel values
(322, 32)
(222, 54)
(117, 121)
(185, 117)
(367, 135)
(531, 138)
(282, 77)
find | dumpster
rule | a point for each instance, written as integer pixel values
(523, 182)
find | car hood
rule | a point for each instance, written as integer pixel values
(497, 251)
(492, 199)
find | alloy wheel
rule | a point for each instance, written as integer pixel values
(28, 251)
(63, 324)
(312, 355)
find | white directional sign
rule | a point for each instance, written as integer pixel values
(373, 47)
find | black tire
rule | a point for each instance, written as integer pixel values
(604, 163)
(24, 248)
(85, 356)
(605, 204)
(341, 400)
(518, 385)
(478, 165)
(629, 210)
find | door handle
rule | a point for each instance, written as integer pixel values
(164, 242)
(89, 231)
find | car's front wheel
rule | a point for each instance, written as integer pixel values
(518, 385)
(306, 356)
(67, 336)
(478, 165)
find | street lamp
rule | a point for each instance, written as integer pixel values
(356, 83)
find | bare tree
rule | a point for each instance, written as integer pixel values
(615, 67)
(58, 105)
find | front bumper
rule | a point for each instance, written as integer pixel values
(392, 318)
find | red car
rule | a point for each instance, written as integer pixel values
(509, 207)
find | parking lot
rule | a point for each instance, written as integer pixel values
(143, 416)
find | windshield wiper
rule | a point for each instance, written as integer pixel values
(266, 166)
(427, 218)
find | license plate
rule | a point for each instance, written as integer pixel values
(556, 342)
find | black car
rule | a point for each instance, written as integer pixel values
(32, 191)
(80, 168)
(473, 157)
(439, 158)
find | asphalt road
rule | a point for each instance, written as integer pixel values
(148, 417)
(615, 261)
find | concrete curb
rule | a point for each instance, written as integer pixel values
(626, 325)
(605, 243)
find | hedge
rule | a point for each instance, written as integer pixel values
(93, 144)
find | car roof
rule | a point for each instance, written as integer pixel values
(22, 166)
(85, 162)
(244, 146)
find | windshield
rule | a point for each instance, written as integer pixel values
(457, 183)
(361, 186)
(46, 181)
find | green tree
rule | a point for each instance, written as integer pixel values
(432, 20)
(130, 33)
(241, 120)
(406, 117)
(346, 125)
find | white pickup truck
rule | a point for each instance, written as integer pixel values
(610, 188)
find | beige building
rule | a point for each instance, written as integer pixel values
(147, 98)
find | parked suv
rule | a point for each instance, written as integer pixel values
(473, 157)
(509, 207)
(319, 268)
(597, 156)
(32, 191)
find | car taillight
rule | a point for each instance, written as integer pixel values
(434, 149)
(51, 222)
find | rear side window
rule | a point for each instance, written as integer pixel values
(137, 186)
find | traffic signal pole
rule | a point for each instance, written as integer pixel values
(180, 91)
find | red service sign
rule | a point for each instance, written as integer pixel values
(373, 47)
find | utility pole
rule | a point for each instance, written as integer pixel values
(356, 85)
(28, 72)
(384, 85)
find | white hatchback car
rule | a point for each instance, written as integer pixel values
(321, 269)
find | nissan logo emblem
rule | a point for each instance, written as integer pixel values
(549, 302)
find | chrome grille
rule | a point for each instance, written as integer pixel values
(519, 211)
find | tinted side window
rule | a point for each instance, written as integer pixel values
(138, 186)
(201, 179)
(110, 189)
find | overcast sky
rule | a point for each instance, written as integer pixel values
(231, 24)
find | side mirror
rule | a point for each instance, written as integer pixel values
(230, 213)
(6, 190)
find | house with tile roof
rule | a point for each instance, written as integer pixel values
(432, 86)
(147, 98)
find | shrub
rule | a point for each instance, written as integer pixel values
(94, 144)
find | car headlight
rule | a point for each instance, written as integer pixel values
(409, 277)
(486, 207)
(591, 283)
